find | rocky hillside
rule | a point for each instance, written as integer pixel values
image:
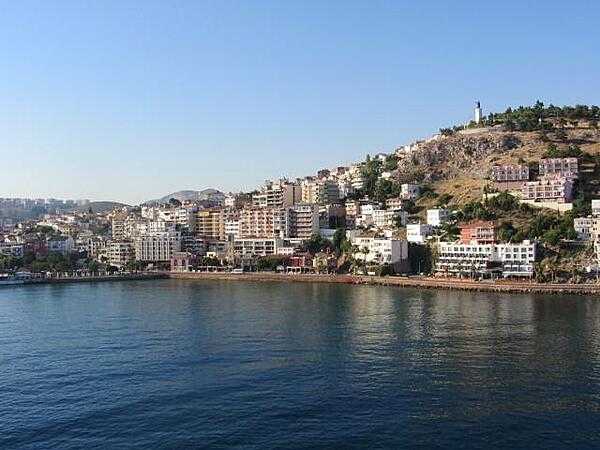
(459, 164)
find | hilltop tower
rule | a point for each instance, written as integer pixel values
(477, 113)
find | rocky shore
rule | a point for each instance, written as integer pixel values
(409, 282)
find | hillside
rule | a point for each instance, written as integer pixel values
(205, 194)
(100, 207)
(458, 165)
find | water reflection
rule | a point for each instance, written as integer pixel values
(264, 365)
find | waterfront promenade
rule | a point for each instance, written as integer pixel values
(401, 281)
(85, 279)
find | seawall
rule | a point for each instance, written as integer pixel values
(93, 279)
(409, 282)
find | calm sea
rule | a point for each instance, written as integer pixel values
(187, 364)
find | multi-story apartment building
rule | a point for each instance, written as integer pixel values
(437, 217)
(123, 225)
(395, 203)
(510, 172)
(94, 246)
(210, 224)
(562, 167)
(278, 194)
(479, 231)
(302, 221)
(320, 191)
(332, 215)
(596, 208)
(61, 244)
(232, 228)
(12, 249)
(119, 253)
(152, 226)
(262, 222)
(587, 228)
(410, 191)
(157, 247)
(253, 247)
(418, 232)
(548, 189)
(510, 260)
(388, 218)
(381, 250)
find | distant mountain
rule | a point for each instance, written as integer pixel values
(100, 207)
(206, 194)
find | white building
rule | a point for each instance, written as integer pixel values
(381, 250)
(587, 228)
(410, 191)
(437, 217)
(254, 247)
(12, 249)
(63, 245)
(595, 207)
(119, 253)
(157, 247)
(418, 232)
(474, 259)
(562, 167)
(277, 194)
(478, 113)
(387, 218)
(232, 228)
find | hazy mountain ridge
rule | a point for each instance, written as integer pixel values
(193, 195)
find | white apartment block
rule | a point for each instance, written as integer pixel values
(387, 218)
(556, 189)
(410, 191)
(119, 253)
(254, 247)
(11, 249)
(232, 228)
(63, 245)
(587, 228)
(437, 217)
(157, 247)
(153, 226)
(230, 201)
(562, 167)
(381, 250)
(483, 259)
(595, 207)
(418, 232)
(510, 172)
(395, 203)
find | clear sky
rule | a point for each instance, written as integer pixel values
(130, 100)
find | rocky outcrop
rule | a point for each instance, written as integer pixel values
(451, 156)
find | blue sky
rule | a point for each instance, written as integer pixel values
(119, 100)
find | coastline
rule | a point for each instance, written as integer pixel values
(406, 282)
(509, 287)
(94, 279)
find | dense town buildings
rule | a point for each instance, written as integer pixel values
(338, 219)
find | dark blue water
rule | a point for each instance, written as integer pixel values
(183, 364)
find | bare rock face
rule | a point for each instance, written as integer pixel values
(452, 156)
